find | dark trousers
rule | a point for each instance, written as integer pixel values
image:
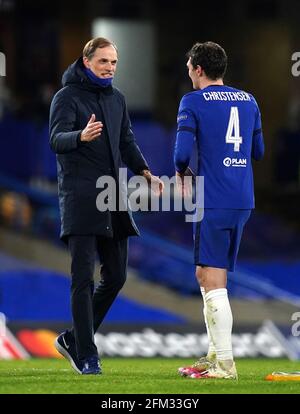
(90, 306)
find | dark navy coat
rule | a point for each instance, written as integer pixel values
(77, 167)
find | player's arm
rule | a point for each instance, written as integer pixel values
(258, 146)
(186, 132)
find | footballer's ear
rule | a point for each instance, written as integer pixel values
(199, 70)
(86, 62)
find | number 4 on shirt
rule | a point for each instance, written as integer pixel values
(233, 129)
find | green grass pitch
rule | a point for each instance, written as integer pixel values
(139, 376)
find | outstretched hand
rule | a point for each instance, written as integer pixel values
(92, 130)
(155, 183)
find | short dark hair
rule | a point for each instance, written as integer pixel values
(93, 44)
(211, 57)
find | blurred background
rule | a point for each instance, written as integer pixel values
(159, 311)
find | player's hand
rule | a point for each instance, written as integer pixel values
(92, 130)
(155, 183)
(184, 182)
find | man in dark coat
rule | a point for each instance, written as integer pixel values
(91, 134)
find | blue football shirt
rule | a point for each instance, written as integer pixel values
(225, 124)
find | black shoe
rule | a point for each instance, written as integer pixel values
(91, 366)
(65, 344)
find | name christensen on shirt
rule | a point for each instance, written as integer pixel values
(226, 96)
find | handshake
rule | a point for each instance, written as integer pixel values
(185, 186)
(155, 183)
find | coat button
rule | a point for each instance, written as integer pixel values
(107, 227)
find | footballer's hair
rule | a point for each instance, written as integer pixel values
(211, 57)
(93, 44)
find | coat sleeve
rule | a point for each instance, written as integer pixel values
(63, 136)
(130, 152)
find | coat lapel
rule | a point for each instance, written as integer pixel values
(113, 138)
